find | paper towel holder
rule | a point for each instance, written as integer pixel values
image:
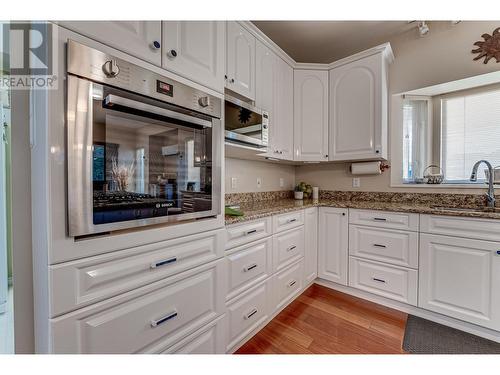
(376, 169)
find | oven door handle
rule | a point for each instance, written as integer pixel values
(112, 100)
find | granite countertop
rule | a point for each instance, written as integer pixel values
(263, 208)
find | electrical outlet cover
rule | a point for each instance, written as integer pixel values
(259, 182)
(356, 182)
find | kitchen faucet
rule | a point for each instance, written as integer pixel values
(491, 190)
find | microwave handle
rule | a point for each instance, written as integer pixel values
(112, 100)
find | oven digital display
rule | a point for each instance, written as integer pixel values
(164, 88)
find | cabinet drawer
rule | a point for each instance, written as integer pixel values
(240, 234)
(247, 312)
(287, 285)
(481, 229)
(384, 219)
(288, 247)
(393, 282)
(158, 314)
(82, 282)
(288, 221)
(207, 340)
(385, 245)
(248, 265)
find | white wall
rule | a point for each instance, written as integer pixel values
(246, 172)
(443, 55)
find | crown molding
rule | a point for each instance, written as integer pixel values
(384, 48)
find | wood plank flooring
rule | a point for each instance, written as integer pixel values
(325, 321)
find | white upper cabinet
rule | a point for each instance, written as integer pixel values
(240, 63)
(333, 244)
(282, 134)
(311, 115)
(138, 38)
(265, 79)
(195, 50)
(358, 109)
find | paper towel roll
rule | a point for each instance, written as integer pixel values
(369, 167)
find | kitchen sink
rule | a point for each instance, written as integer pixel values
(467, 209)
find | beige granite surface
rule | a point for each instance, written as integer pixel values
(396, 202)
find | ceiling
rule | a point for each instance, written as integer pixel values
(328, 41)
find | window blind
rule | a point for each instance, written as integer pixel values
(470, 131)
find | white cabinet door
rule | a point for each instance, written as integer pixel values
(311, 245)
(138, 38)
(358, 110)
(460, 278)
(282, 134)
(265, 79)
(333, 244)
(195, 50)
(240, 65)
(310, 115)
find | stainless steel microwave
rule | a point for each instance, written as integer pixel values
(245, 123)
(142, 148)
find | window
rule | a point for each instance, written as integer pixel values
(470, 131)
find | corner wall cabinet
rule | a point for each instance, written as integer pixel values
(358, 108)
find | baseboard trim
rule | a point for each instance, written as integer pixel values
(409, 309)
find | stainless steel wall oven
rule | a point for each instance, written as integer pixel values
(142, 148)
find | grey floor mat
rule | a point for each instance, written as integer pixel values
(425, 337)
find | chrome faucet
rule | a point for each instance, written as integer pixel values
(491, 189)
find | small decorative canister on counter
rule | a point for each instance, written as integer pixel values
(315, 194)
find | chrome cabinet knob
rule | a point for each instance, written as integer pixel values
(232, 80)
(204, 101)
(155, 45)
(111, 68)
(172, 53)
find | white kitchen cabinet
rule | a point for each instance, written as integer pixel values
(310, 245)
(240, 60)
(282, 134)
(266, 63)
(196, 51)
(138, 38)
(358, 109)
(333, 244)
(461, 278)
(310, 107)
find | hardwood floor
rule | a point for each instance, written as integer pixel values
(325, 321)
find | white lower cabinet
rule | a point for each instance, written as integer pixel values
(389, 281)
(288, 247)
(310, 245)
(207, 340)
(148, 319)
(246, 313)
(461, 278)
(287, 285)
(333, 244)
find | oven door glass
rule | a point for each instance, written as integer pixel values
(146, 164)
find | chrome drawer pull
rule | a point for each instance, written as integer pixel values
(293, 247)
(163, 262)
(379, 280)
(291, 283)
(291, 220)
(251, 232)
(379, 219)
(155, 323)
(250, 267)
(498, 252)
(250, 314)
(378, 245)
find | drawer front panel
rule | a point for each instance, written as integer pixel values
(288, 221)
(385, 245)
(384, 219)
(287, 284)
(288, 247)
(240, 234)
(393, 282)
(165, 312)
(83, 282)
(481, 229)
(248, 265)
(247, 312)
